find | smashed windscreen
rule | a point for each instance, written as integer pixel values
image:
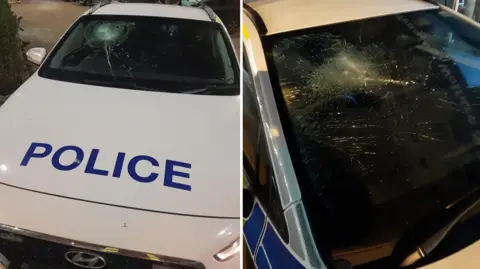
(146, 53)
(384, 121)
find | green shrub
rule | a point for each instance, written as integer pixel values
(13, 65)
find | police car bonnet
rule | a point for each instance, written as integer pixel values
(143, 150)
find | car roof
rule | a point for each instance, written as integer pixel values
(153, 10)
(281, 16)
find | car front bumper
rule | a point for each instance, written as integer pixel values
(22, 248)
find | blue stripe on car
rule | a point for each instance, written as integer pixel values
(261, 260)
(253, 227)
(277, 253)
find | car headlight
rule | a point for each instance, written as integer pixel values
(228, 252)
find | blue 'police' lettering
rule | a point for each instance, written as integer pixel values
(42, 150)
(78, 159)
(133, 172)
(47, 149)
(90, 169)
(170, 172)
(117, 171)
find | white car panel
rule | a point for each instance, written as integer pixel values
(177, 236)
(155, 10)
(200, 130)
(317, 13)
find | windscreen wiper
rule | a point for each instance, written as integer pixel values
(126, 85)
(424, 237)
(222, 89)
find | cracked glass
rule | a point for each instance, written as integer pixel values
(381, 122)
(146, 53)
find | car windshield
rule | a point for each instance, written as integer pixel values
(381, 121)
(146, 53)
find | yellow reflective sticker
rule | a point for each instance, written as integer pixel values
(219, 20)
(153, 257)
(274, 132)
(246, 35)
(111, 250)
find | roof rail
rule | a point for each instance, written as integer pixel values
(99, 5)
(203, 5)
(210, 12)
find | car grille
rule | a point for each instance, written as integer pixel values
(25, 251)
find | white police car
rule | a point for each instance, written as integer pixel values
(122, 150)
(361, 135)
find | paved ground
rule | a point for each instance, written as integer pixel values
(44, 21)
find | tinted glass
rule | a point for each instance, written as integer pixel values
(381, 118)
(146, 53)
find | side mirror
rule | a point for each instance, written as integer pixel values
(36, 55)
